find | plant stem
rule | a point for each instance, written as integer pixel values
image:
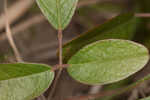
(57, 67)
(60, 36)
(9, 35)
(60, 46)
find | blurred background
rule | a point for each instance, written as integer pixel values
(37, 41)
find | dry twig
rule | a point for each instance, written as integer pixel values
(9, 34)
(24, 25)
(15, 11)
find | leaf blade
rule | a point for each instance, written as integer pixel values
(58, 12)
(20, 83)
(111, 60)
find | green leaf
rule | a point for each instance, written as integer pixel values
(107, 61)
(120, 27)
(58, 12)
(148, 98)
(24, 81)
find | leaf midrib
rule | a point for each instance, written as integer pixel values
(58, 14)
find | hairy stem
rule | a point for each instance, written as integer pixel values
(60, 36)
(9, 35)
(60, 46)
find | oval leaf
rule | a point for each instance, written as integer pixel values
(24, 81)
(58, 12)
(107, 61)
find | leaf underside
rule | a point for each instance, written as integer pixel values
(24, 81)
(107, 61)
(58, 12)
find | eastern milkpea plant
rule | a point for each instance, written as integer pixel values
(101, 56)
